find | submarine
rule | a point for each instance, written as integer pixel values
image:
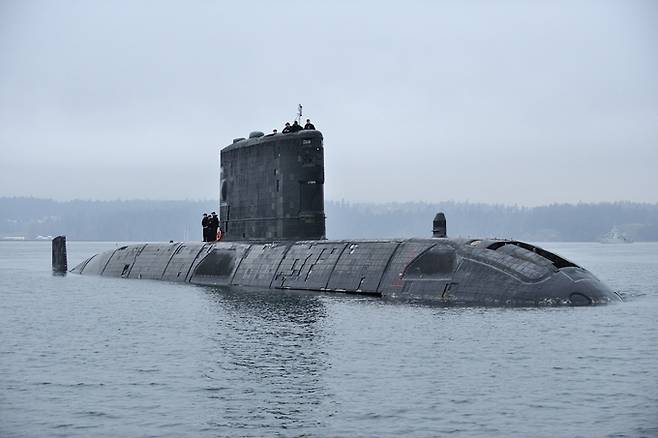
(273, 222)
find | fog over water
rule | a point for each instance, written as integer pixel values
(504, 102)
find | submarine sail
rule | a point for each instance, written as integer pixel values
(272, 187)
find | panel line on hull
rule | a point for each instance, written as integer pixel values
(178, 248)
(102, 271)
(237, 267)
(283, 257)
(132, 265)
(388, 263)
(333, 268)
(84, 264)
(188, 275)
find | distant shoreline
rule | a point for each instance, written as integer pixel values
(23, 219)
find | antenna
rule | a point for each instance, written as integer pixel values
(299, 114)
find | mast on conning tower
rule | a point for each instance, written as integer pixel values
(299, 114)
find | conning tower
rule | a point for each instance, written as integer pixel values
(272, 187)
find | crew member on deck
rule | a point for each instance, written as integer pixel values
(214, 224)
(296, 127)
(309, 125)
(287, 128)
(205, 223)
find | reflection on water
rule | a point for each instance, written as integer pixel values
(275, 342)
(298, 307)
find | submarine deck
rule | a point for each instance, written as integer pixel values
(392, 268)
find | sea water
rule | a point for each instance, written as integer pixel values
(83, 356)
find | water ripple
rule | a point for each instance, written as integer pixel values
(83, 356)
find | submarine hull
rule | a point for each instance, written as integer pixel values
(439, 270)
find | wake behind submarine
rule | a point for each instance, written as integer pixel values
(273, 222)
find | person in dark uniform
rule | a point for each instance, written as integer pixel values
(214, 224)
(309, 125)
(205, 224)
(287, 128)
(296, 127)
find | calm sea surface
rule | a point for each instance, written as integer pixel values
(88, 356)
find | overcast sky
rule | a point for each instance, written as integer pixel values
(496, 101)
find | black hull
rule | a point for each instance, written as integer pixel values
(444, 271)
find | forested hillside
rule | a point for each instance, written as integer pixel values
(143, 220)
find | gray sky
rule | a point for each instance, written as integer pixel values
(507, 102)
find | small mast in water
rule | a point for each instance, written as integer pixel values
(59, 259)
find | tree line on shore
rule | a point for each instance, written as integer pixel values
(150, 220)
